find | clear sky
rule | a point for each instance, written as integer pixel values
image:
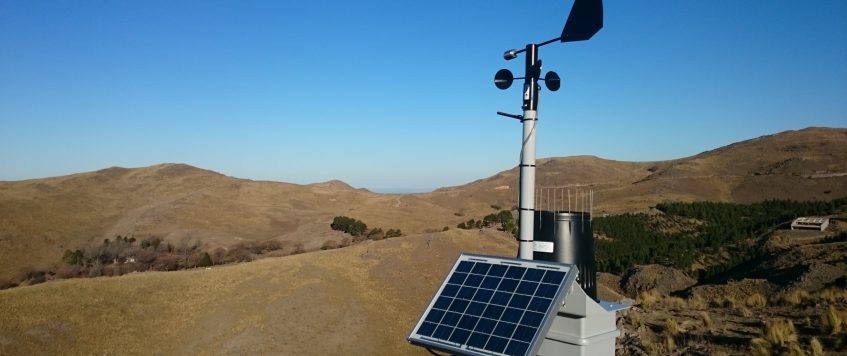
(399, 95)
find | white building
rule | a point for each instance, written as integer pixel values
(810, 223)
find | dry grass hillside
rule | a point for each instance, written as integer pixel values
(806, 164)
(364, 299)
(41, 218)
(359, 300)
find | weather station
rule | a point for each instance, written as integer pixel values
(544, 302)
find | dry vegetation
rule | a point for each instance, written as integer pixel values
(359, 300)
(751, 316)
(364, 299)
(180, 202)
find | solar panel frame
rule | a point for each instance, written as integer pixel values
(505, 324)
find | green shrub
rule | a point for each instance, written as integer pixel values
(205, 261)
(72, 257)
(349, 225)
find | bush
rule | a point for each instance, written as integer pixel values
(5, 284)
(393, 233)
(37, 277)
(145, 256)
(96, 269)
(151, 242)
(261, 247)
(72, 257)
(167, 262)
(205, 261)
(68, 271)
(376, 234)
(112, 270)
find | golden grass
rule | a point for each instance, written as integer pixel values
(697, 302)
(724, 302)
(651, 348)
(671, 327)
(794, 350)
(833, 295)
(653, 297)
(815, 347)
(674, 302)
(780, 338)
(648, 298)
(760, 347)
(756, 300)
(780, 332)
(707, 320)
(795, 297)
(636, 318)
(832, 320)
(670, 344)
(363, 299)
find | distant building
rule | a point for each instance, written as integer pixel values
(810, 223)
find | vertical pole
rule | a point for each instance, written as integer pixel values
(526, 206)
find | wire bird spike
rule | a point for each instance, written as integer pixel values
(559, 199)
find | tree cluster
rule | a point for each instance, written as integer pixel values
(359, 232)
(503, 220)
(634, 239)
(349, 225)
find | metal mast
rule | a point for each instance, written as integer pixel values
(584, 20)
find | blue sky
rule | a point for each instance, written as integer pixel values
(398, 95)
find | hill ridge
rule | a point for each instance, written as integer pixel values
(43, 217)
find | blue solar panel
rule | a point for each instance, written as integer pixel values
(494, 306)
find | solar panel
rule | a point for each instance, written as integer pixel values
(494, 306)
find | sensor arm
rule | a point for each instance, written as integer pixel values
(513, 53)
(519, 117)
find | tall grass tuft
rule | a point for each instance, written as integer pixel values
(671, 327)
(756, 300)
(780, 332)
(795, 297)
(648, 298)
(707, 320)
(831, 321)
(760, 347)
(670, 344)
(816, 347)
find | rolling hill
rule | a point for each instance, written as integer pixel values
(41, 218)
(806, 164)
(365, 298)
(360, 300)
